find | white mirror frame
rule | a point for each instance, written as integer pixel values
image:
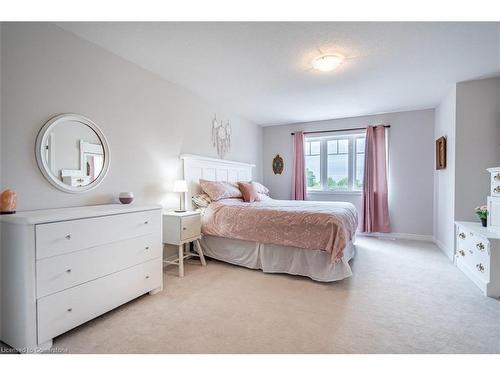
(41, 139)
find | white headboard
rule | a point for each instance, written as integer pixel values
(196, 167)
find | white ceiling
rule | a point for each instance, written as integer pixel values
(262, 71)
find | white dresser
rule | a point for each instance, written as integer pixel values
(478, 256)
(63, 267)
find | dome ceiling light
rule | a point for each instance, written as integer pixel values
(327, 62)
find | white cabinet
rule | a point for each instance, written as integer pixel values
(63, 267)
(477, 254)
(180, 228)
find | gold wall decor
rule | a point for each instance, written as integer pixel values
(441, 153)
(278, 164)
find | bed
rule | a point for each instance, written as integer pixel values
(312, 239)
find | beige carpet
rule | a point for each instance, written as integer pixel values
(404, 297)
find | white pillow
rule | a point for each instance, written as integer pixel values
(260, 188)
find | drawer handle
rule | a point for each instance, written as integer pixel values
(147, 247)
(147, 277)
(462, 253)
(184, 228)
(480, 267)
(496, 190)
(68, 270)
(146, 222)
(480, 246)
(68, 236)
(497, 177)
(70, 309)
(461, 235)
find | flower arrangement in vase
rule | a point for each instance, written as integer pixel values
(482, 212)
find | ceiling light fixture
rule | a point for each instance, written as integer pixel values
(327, 63)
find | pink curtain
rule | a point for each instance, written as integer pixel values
(375, 206)
(299, 178)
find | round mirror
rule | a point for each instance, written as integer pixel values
(72, 153)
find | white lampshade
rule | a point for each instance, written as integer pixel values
(180, 186)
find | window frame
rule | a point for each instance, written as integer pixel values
(352, 162)
(355, 157)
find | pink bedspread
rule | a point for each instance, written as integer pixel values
(306, 224)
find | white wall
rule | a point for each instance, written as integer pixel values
(478, 143)
(411, 160)
(147, 120)
(469, 116)
(444, 179)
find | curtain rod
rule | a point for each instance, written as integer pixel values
(338, 130)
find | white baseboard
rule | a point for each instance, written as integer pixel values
(399, 236)
(444, 249)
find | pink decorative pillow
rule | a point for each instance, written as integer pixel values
(248, 191)
(217, 190)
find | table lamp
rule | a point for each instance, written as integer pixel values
(180, 186)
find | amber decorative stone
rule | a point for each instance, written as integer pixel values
(8, 201)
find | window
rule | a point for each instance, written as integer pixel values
(335, 163)
(338, 164)
(313, 164)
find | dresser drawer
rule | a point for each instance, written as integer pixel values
(65, 271)
(477, 271)
(64, 237)
(190, 227)
(473, 251)
(65, 310)
(471, 241)
(481, 264)
(179, 228)
(495, 190)
(477, 263)
(482, 269)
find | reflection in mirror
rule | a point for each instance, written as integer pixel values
(73, 153)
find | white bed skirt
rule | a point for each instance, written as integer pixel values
(315, 264)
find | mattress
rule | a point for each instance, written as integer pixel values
(327, 226)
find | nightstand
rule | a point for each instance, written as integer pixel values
(181, 228)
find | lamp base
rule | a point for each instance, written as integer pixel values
(182, 206)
